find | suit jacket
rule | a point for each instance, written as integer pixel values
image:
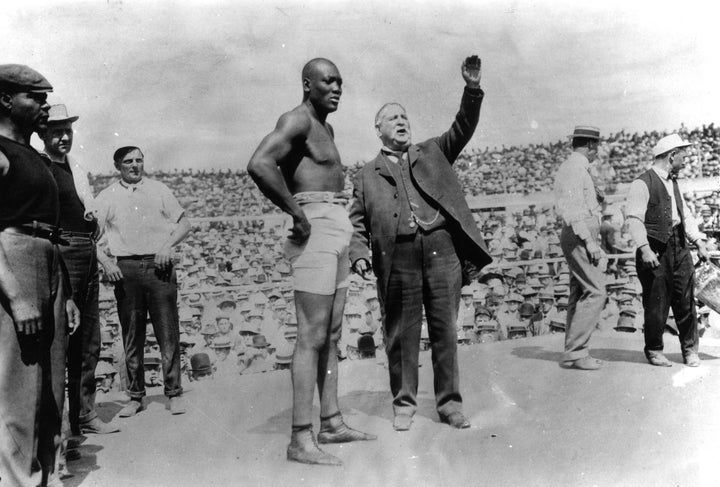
(376, 205)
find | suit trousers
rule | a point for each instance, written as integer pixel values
(669, 285)
(425, 272)
(143, 289)
(32, 367)
(84, 345)
(587, 292)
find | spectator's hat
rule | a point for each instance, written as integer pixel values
(104, 369)
(185, 314)
(221, 342)
(274, 293)
(222, 316)
(152, 359)
(185, 339)
(248, 329)
(209, 329)
(466, 291)
(284, 356)
(290, 331)
(200, 362)
(291, 319)
(482, 311)
(586, 131)
(227, 303)
(628, 311)
(668, 143)
(21, 78)
(354, 309)
(546, 294)
(626, 323)
(529, 291)
(255, 313)
(280, 303)
(705, 210)
(106, 355)
(58, 114)
(259, 341)
(705, 310)
(514, 271)
(370, 295)
(563, 301)
(514, 298)
(557, 321)
(526, 310)
(106, 337)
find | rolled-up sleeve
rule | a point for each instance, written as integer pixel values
(636, 203)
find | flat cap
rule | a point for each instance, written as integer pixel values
(23, 78)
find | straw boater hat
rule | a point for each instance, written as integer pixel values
(586, 131)
(668, 143)
(58, 114)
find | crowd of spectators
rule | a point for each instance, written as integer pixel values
(236, 302)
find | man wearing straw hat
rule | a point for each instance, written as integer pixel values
(661, 225)
(577, 202)
(79, 229)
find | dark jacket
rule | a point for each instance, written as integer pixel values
(376, 206)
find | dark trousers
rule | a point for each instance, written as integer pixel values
(669, 285)
(84, 345)
(143, 289)
(425, 272)
(32, 368)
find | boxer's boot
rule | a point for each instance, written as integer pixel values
(304, 449)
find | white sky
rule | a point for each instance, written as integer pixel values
(199, 83)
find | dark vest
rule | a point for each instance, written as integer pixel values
(658, 216)
(28, 191)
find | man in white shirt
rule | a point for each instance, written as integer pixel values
(661, 225)
(577, 202)
(143, 221)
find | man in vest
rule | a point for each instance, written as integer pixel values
(661, 225)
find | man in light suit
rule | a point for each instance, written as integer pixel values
(409, 208)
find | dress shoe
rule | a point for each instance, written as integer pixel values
(177, 405)
(585, 363)
(692, 359)
(456, 420)
(334, 430)
(304, 449)
(131, 408)
(658, 359)
(402, 422)
(98, 427)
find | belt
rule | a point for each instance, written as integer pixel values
(39, 230)
(339, 198)
(69, 234)
(136, 257)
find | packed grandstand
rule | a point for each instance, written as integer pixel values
(235, 285)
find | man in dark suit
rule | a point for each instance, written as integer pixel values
(409, 208)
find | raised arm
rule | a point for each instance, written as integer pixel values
(278, 148)
(456, 138)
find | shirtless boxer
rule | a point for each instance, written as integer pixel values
(297, 166)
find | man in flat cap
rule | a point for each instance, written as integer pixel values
(662, 226)
(33, 320)
(143, 222)
(578, 203)
(79, 229)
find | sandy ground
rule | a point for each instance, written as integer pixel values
(534, 424)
